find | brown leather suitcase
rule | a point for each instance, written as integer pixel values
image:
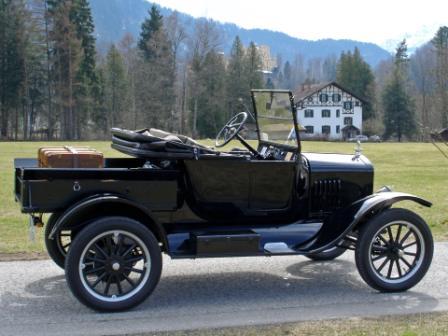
(70, 157)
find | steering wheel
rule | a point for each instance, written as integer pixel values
(231, 129)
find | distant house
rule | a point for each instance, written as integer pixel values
(329, 110)
(268, 63)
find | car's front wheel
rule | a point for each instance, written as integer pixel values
(113, 264)
(394, 250)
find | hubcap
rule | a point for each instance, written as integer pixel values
(115, 266)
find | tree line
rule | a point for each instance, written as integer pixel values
(55, 85)
(413, 90)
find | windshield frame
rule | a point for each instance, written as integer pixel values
(294, 116)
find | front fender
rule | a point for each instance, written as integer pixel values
(342, 222)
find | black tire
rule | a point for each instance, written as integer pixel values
(57, 248)
(394, 250)
(330, 254)
(113, 253)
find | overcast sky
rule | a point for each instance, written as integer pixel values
(383, 22)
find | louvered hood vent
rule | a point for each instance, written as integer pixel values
(326, 194)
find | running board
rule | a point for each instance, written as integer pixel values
(226, 243)
(278, 248)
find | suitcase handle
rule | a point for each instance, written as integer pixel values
(71, 149)
(75, 155)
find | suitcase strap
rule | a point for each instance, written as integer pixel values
(74, 156)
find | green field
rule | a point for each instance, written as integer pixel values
(415, 168)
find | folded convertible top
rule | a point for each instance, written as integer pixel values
(154, 143)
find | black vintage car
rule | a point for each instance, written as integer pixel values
(109, 226)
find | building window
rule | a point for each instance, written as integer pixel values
(348, 121)
(338, 113)
(326, 113)
(323, 97)
(348, 105)
(326, 129)
(338, 129)
(310, 99)
(336, 97)
(309, 113)
(309, 129)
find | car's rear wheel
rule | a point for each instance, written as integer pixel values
(394, 250)
(113, 264)
(58, 246)
(330, 254)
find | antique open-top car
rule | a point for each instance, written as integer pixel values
(109, 226)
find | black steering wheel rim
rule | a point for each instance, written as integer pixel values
(231, 129)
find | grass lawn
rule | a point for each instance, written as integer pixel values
(415, 168)
(435, 324)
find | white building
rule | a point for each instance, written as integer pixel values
(329, 110)
(268, 63)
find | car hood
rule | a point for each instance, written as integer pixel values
(337, 162)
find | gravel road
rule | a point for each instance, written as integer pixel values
(35, 300)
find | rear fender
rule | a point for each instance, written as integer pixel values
(94, 207)
(342, 222)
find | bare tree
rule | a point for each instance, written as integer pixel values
(440, 42)
(206, 39)
(176, 35)
(131, 63)
(422, 73)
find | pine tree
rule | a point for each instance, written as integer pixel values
(12, 60)
(100, 112)
(252, 66)
(42, 64)
(81, 17)
(355, 74)
(116, 88)
(253, 78)
(401, 53)
(287, 76)
(36, 90)
(440, 43)
(74, 63)
(236, 82)
(67, 56)
(398, 110)
(211, 103)
(86, 78)
(150, 26)
(155, 83)
(399, 116)
(131, 61)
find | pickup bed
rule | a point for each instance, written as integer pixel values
(49, 190)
